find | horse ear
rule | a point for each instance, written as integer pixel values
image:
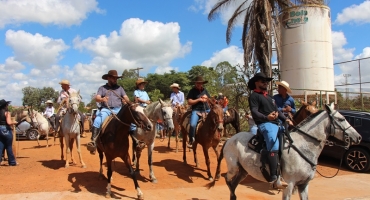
(329, 107)
(314, 103)
(304, 103)
(160, 101)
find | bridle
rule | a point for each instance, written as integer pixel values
(333, 126)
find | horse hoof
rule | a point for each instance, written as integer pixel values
(210, 178)
(217, 177)
(154, 181)
(66, 166)
(83, 166)
(140, 197)
(108, 196)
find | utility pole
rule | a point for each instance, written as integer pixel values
(137, 69)
(346, 82)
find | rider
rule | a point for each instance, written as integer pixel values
(266, 115)
(111, 96)
(63, 97)
(177, 97)
(223, 101)
(197, 98)
(49, 113)
(283, 100)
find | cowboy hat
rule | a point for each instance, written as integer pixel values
(285, 85)
(220, 97)
(175, 85)
(3, 102)
(111, 73)
(257, 77)
(49, 101)
(64, 82)
(140, 80)
(199, 79)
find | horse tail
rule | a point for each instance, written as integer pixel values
(219, 159)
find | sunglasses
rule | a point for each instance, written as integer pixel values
(264, 81)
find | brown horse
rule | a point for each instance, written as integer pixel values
(233, 119)
(114, 141)
(208, 134)
(306, 110)
(178, 112)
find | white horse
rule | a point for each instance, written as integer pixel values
(71, 129)
(42, 125)
(154, 111)
(298, 159)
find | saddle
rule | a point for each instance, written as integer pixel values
(105, 123)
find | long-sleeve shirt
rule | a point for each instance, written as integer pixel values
(261, 106)
(143, 95)
(177, 98)
(281, 102)
(49, 111)
(65, 94)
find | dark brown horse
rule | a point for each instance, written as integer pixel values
(233, 119)
(208, 134)
(178, 112)
(114, 141)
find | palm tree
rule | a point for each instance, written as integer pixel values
(260, 23)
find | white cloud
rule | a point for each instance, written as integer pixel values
(232, 54)
(136, 44)
(11, 65)
(37, 50)
(340, 53)
(58, 12)
(355, 13)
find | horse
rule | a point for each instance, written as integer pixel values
(71, 129)
(298, 159)
(306, 110)
(208, 134)
(157, 110)
(178, 112)
(41, 123)
(113, 142)
(233, 119)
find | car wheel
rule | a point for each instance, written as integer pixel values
(357, 159)
(32, 134)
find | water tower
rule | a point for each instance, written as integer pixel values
(306, 49)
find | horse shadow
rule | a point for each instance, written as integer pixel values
(53, 164)
(181, 170)
(37, 147)
(163, 149)
(121, 169)
(89, 181)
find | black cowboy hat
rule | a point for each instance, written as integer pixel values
(220, 97)
(257, 77)
(199, 79)
(3, 102)
(111, 73)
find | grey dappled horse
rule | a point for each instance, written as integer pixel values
(71, 129)
(297, 170)
(157, 110)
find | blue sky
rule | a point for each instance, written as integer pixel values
(44, 41)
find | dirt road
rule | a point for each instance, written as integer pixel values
(41, 175)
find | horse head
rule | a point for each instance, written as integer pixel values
(140, 119)
(217, 114)
(340, 129)
(306, 110)
(167, 113)
(74, 101)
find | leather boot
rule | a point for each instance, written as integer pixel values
(91, 146)
(57, 124)
(275, 179)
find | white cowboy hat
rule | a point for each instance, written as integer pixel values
(64, 82)
(175, 85)
(285, 85)
(49, 101)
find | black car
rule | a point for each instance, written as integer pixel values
(357, 157)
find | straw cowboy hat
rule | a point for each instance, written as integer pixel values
(64, 82)
(285, 85)
(49, 101)
(140, 80)
(199, 79)
(257, 77)
(175, 85)
(112, 73)
(3, 102)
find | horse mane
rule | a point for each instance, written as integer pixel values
(309, 118)
(299, 111)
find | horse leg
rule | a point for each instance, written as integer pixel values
(208, 163)
(287, 192)
(169, 139)
(195, 144)
(232, 184)
(78, 143)
(134, 156)
(127, 161)
(303, 191)
(218, 166)
(61, 148)
(177, 132)
(184, 136)
(138, 151)
(68, 150)
(109, 176)
(101, 156)
(38, 137)
(71, 142)
(150, 163)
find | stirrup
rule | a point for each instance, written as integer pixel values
(279, 183)
(91, 146)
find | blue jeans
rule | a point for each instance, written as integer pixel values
(254, 129)
(102, 114)
(194, 117)
(270, 133)
(6, 141)
(225, 109)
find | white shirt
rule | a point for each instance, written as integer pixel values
(177, 98)
(49, 111)
(64, 94)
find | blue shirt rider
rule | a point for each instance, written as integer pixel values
(283, 100)
(141, 97)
